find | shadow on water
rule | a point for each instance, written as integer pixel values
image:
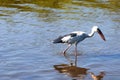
(72, 71)
(97, 77)
(77, 72)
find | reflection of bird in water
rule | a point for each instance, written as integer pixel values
(97, 77)
(72, 71)
(75, 38)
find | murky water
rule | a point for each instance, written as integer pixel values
(27, 29)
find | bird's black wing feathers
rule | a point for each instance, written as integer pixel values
(59, 39)
(73, 34)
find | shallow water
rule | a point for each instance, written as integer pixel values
(27, 29)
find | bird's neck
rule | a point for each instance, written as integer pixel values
(92, 33)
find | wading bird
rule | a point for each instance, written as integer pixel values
(76, 37)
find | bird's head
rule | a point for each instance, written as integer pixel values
(97, 29)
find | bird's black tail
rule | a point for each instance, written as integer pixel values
(58, 40)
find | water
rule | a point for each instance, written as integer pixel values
(27, 29)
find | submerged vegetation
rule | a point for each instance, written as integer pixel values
(113, 5)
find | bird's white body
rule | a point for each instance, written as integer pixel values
(74, 39)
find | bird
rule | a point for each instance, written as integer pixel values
(75, 37)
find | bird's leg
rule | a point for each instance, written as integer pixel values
(64, 52)
(75, 54)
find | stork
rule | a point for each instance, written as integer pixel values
(76, 37)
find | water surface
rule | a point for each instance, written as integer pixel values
(27, 29)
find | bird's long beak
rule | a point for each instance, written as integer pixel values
(101, 34)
